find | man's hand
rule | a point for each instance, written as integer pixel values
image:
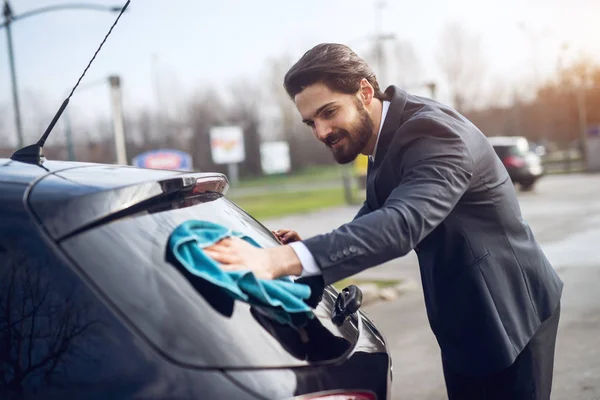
(286, 236)
(235, 254)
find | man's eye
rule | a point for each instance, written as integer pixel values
(310, 123)
(328, 113)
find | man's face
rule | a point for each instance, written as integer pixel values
(339, 120)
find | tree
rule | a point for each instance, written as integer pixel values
(41, 323)
(205, 110)
(404, 65)
(395, 62)
(244, 112)
(576, 90)
(304, 148)
(462, 62)
(554, 116)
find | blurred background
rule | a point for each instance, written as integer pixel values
(516, 68)
(198, 85)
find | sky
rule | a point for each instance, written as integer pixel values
(168, 51)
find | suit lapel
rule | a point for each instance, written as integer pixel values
(392, 122)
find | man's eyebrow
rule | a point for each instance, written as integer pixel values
(319, 110)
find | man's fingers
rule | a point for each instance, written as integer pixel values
(233, 267)
(218, 248)
(222, 257)
(285, 239)
(227, 242)
(291, 236)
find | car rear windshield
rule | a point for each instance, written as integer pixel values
(184, 317)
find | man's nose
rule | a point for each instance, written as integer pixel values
(322, 130)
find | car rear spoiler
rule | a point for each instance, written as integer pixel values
(65, 218)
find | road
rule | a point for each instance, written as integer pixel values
(564, 213)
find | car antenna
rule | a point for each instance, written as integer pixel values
(34, 154)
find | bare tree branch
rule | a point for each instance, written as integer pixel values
(461, 60)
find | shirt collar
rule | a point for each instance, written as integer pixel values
(384, 110)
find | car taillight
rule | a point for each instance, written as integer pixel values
(514, 161)
(339, 395)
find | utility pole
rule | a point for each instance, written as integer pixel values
(69, 135)
(582, 124)
(119, 130)
(432, 86)
(161, 107)
(379, 53)
(8, 19)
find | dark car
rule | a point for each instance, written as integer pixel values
(524, 166)
(91, 306)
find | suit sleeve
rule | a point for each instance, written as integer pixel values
(365, 209)
(435, 170)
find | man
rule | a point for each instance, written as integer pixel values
(435, 186)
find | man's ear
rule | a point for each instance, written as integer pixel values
(366, 92)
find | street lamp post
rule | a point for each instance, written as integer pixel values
(9, 18)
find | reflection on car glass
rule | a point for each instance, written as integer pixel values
(215, 208)
(217, 298)
(317, 286)
(44, 322)
(308, 341)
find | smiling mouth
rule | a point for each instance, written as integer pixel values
(334, 141)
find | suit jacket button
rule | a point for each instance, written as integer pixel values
(333, 257)
(352, 249)
(340, 254)
(346, 252)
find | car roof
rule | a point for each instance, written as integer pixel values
(25, 173)
(91, 177)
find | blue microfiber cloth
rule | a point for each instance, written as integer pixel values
(283, 295)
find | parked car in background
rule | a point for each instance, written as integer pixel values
(92, 308)
(524, 165)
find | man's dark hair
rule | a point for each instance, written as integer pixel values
(334, 65)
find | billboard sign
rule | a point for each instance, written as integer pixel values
(227, 145)
(275, 157)
(164, 159)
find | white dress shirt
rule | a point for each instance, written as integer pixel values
(309, 265)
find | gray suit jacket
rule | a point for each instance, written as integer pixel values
(437, 187)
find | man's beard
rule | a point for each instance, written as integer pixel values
(355, 141)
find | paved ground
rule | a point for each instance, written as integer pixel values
(564, 212)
